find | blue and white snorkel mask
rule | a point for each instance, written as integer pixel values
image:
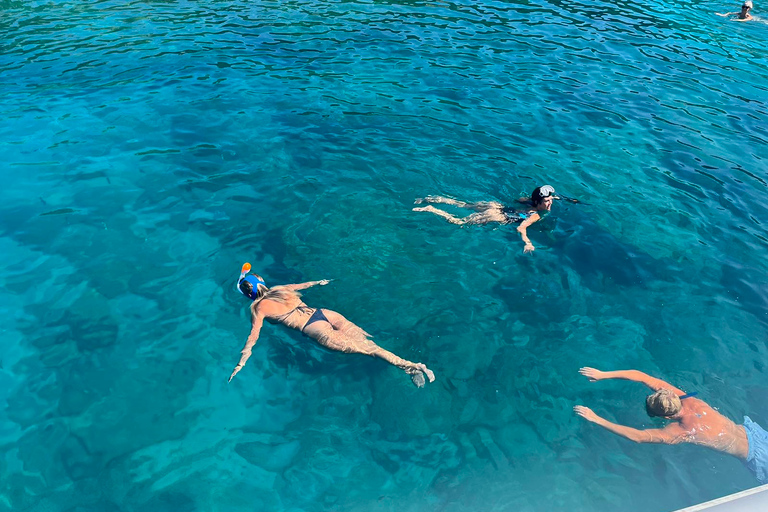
(254, 280)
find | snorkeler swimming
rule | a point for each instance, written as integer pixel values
(283, 305)
(743, 15)
(539, 204)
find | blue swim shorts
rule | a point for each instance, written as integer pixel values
(757, 460)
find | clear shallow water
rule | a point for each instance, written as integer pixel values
(151, 148)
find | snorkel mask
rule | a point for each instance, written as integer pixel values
(254, 280)
(540, 193)
(546, 191)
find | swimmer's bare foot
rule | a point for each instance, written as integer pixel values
(431, 199)
(429, 208)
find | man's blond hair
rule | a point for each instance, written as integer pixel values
(664, 403)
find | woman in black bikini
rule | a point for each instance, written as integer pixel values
(283, 304)
(539, 203)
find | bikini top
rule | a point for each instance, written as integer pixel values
(303, 311)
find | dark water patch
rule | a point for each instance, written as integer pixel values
(273, 456)
(745, 286)
(535, 301)
(169, 501)
(606, 261)
(77, 460)
(101, 505)
(60, 211)
(90, 323)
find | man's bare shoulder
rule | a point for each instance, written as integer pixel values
(695, 406)
(699, 415)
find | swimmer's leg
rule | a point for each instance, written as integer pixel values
(326, 335)
(490, 214)
(486, 205)
(486, 216)
(340, 323)
(442, 200)
(479, 206)
(447, 216)
(417, 371)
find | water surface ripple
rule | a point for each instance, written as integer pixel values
(152, 147)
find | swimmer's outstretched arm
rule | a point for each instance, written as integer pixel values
(522, 229)
(308, 284)
(672, 434)
(257, 320)
(632, 375)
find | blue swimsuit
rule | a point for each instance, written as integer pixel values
(516, 216)
(757, 460)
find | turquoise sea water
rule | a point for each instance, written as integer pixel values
(150, 148)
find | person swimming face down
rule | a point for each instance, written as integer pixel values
(542, 197)
(664, 403)
(282, 304)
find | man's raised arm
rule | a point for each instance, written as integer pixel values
(632, 375)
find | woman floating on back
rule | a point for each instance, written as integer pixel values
(283, 304)
(538, 204)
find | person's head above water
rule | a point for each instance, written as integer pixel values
(252, 286)
(542, 197)
(664, 403)
(743, 14)
(745, 8)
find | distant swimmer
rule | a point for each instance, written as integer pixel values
(742, 15)
(694, 422)
(283, 305)
(538, 204)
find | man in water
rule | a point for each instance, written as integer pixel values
(693, 422)
(743, 15)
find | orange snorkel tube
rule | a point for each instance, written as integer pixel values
(254, 280)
